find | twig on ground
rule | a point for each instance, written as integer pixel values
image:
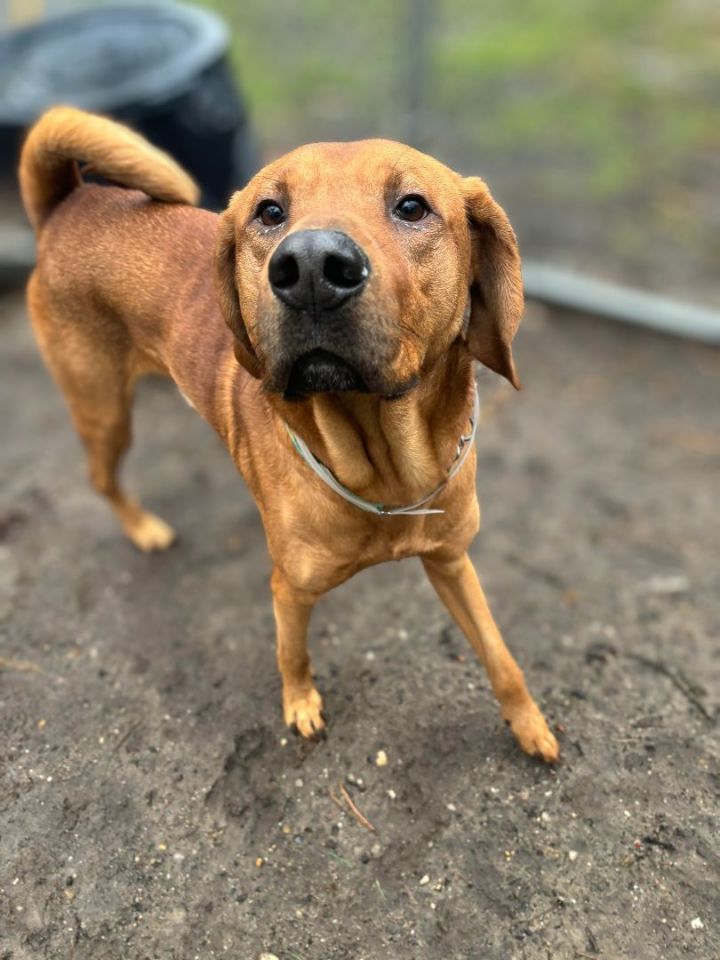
(361, 818)
(21, 666)
(126, 736)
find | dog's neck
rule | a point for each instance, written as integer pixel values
(391, 451)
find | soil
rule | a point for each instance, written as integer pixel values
(152, 805)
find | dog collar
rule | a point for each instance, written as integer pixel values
(413, 509)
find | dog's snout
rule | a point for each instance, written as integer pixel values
(317, 270)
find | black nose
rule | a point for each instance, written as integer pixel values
(317, 270)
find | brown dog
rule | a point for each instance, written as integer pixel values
(337, 306)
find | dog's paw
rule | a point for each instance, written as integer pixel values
(150, 533)
(532, 732)
(303, 712)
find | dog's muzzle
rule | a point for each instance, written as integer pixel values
(315, 274)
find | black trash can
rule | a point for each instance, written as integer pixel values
(160, 68)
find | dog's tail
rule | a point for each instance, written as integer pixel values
(65, 137)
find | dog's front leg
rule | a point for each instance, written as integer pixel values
(302, 704)
(457, 585)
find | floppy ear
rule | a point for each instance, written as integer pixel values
(225, 256)
(496, 288)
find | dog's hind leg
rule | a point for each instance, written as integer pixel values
(95, 373)
(106, 434)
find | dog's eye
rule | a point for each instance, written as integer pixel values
(412, 208)
(270, 213)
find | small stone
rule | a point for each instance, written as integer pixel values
(572, 855)
(259, 862)
(392, 794)
(424, 879)
(545, 817)
(666, 586)
(697, 924)
(267, 956)
(381, 759)
(298, 782)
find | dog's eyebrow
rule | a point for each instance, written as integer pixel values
(406, 180)
(396, 179)
(270, 184)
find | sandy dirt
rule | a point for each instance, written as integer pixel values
(152, 805)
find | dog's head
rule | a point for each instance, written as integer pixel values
(355, 266)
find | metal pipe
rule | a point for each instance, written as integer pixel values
(573, 291)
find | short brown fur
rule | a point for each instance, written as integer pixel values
(126, 285)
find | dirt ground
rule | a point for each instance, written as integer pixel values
(152, 805)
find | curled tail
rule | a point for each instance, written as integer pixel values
(64, 137)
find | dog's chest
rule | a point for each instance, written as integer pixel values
(390, 538)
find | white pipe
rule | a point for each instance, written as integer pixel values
(563, 288)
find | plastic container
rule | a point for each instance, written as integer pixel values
(160, 68)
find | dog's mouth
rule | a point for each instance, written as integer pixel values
(320, 371)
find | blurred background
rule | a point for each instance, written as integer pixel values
(595, 123)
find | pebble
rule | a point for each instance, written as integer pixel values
(381, 759)
(572, 855)
(267, 956)
(667, 586)
(424, 879)
(392, 794)
(697, 924)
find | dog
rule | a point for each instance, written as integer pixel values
(326, 325)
